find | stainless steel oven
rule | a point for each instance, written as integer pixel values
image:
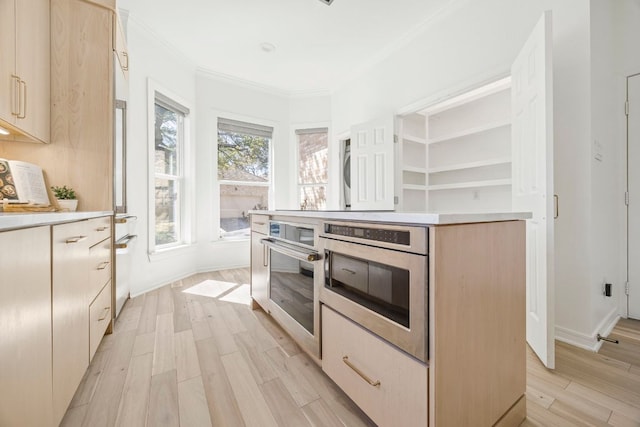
(377, 275)
(294, 280)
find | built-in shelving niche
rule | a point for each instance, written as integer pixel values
(455, 156)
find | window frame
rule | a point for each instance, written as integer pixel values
(184, 162)
(295, 130)
(216, 235)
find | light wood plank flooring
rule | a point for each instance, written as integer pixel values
(193, 354)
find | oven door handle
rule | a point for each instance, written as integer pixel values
(297, 253)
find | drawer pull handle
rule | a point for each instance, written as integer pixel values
(372, 383)
(102, 228)
(346, 270)
(105, 314)
(259, 223)
(124, 219)
(102, 265)
(75, 239)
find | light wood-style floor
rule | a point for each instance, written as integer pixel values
(178, 357)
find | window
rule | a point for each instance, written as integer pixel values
(169, 137)
(312, 168)
(244, 173)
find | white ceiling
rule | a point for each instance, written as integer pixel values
(318, 47)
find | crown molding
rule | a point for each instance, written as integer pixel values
(248, 84)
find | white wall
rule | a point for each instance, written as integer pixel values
(233, 100)
(627, 35)
(476, 42)
(151, 59)
(607, 143)
(207, 96)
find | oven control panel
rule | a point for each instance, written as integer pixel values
(398, 237)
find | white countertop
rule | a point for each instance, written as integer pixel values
(11, 220)
(402, 217)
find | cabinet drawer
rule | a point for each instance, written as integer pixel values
(99, 267)
(99, 317)
(350, 271)
(388, 385)
(260, 223)
(99, 229)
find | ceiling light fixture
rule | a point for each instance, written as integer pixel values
(327, 2)
(267, 47)
(3, 131)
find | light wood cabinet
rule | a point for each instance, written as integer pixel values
(70, 275)
(120, 46)
(388, 385)
(81, 102)
(25, 70)
(476, 368)
(25, 322)
(259, 261)
(99, 289)
(99, 317)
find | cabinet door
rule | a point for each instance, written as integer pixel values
(25, 322)
(372, 165)
(259, 270)
(70, 275)
(7, 64)
(33, 67)
(82, 101)
(120, 46)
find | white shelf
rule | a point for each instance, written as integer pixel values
(469, 165)
(472, 184)
(414, 169)
(415, 187)
(470, 131)
(413, 138)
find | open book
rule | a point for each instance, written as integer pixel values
(22, 182)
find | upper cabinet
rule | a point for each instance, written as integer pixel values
(24, 70)
(82, 87)
(120, 46)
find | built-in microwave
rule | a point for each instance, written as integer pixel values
(377, 275)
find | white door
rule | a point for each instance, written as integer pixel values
(372, 165)
(633, 186)
(532, 180)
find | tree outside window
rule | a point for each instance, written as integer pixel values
(243, 173)
(312, 168)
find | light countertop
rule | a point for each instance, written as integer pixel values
(12, 220)
(402, 217)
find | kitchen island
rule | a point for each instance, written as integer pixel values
(419, 318)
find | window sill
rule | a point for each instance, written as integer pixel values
(168, 253)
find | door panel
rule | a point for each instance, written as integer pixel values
(532, 174)
(633, 147)
(372, 165)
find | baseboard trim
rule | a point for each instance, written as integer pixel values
(589, 341)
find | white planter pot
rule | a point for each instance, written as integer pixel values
(68, 205)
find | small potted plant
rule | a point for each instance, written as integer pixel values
(66, 196)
